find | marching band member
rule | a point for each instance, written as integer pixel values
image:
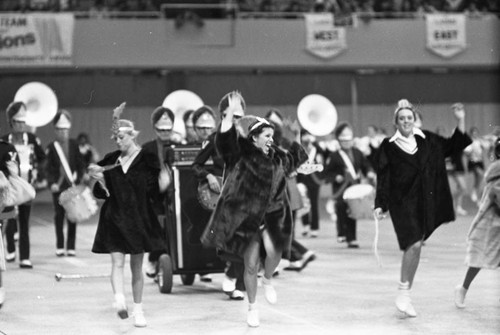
(253, 207)
(412, 185)
(162, 120)
(312, 183)
(31, 157)
(8, 154)
(300, 256)
(64, 167)
(344, 168)
(233, 284)
(129, 180)
(191, 135)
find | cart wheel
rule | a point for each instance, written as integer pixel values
(165, 273)
(188, 279)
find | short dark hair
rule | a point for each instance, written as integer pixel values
(340, 128)
(258, 129)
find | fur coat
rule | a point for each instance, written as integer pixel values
(483, 241)
(245, 196)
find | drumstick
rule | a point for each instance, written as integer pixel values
(60, 276)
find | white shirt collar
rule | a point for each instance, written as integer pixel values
(416, 131)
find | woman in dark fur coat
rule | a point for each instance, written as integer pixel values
(253, 207)
(412, 185)
(129, 180)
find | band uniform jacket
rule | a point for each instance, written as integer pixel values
(245, 196)
(164, 200)
(127, 221)
(335, 166)
(35, 155)
(53, 168)
(7, 153)
(414, 188)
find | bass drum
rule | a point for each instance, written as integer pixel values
(360, 199)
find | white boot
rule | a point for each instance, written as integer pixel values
(403, 300)
(460, 293)
(139, 319)
(269, 291)
(253, 316)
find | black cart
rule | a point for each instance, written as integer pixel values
(185, 221)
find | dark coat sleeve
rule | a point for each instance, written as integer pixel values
(383, 177)
(227, 146)
(201, 159)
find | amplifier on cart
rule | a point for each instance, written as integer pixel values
(183, 155)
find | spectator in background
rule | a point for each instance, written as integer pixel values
(87, 150)
(475, 154)
(456, 171)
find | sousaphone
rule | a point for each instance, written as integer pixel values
(179, 102)
(41, 103)
(317, 115)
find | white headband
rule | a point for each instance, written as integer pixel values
(260, 122)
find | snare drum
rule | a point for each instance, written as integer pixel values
(360, 199)
(78, 202)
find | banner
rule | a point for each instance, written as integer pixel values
(36, 39)
(446, 34)
(323, 39)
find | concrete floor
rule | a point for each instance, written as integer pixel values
(344, 291)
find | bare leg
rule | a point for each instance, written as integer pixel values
(469, 276)
(273, 255)
(137, 277)
(117, 264)
(251, 260)
(411, 259)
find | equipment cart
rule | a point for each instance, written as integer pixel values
(185, 222)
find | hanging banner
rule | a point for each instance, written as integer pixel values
(36, 39)
(323, 39)
(446, 34)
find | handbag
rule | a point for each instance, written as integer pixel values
(16, 192)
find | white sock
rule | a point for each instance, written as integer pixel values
(404, 286)
(252, 306)
(266, 281)
(120, 297)
(138, 308)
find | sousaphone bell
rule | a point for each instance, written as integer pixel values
(179, 102)
(317, 115)
(41, 103)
